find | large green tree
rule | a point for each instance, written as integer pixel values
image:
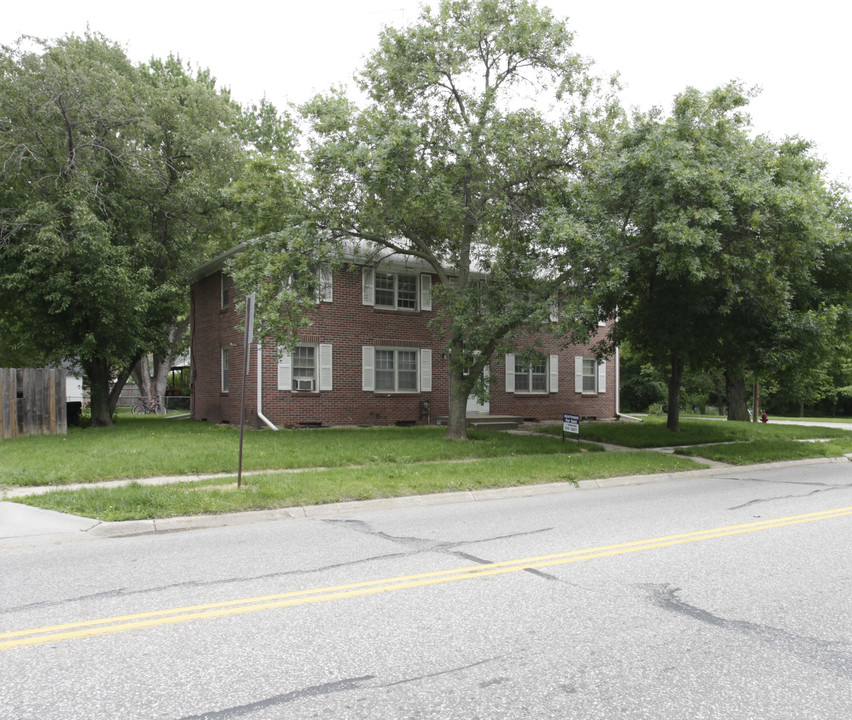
(464, 155)
(193, 152)
(719, 242)
(110, 181)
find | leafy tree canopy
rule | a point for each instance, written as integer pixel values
(719, 244)
(112, 179)
(465, 155)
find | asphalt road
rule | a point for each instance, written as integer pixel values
(706, 597)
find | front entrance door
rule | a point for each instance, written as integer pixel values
(474, 407)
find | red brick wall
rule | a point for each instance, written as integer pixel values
(348, 325)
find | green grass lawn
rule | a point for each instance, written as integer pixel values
(653, 432)
(769, 450)
(330, 465)
(313, 487)
(138, 447)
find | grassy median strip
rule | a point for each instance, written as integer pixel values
(313, 487)
(763, 451)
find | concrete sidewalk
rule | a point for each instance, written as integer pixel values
(24, 526)
(19, 521)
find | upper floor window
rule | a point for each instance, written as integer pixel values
(223, 291)
(397, 291)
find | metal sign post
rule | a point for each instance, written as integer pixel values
(249, 336)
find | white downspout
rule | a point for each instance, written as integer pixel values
(260, 414)
(617, 382)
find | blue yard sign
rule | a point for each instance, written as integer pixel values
(570, 424)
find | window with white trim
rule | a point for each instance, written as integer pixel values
(225, 281)
(532, 374)
(396, 291)
(397, 369)
(589, 375)
(225, 369)
(306, 369)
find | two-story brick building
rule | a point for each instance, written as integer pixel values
(370, 358)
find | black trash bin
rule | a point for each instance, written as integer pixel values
(72, 412)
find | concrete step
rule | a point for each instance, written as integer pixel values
(490, 422)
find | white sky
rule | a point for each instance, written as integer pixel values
(797, 52)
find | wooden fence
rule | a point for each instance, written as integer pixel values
(32, 402)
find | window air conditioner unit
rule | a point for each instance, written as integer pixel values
(305, 385)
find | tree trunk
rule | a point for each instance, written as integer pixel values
(163, 365)
(675, 380)
(457, 418)
(141, 374)
(755, 401)
(105, 395)
(717, 388)
(735, 392)
(97, 373)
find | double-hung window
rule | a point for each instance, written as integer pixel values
(225, 369)
(225, 281)
(589, 375)
(537, 373)
(407, 291)
(390, 370)
(304, 369)
(396, 370)
(396, 291)
(307, 369)
(531, 374)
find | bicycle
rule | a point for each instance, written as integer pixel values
(144, 407)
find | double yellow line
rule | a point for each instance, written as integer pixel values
(123, 623)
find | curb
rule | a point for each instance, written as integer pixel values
(132, 528)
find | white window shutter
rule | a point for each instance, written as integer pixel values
(285, 372)
(510, 373)
(578, 374)
(425, 370)
(554, 373)
(602, 376)
(425, 292)
(368, 360)
(326, 286)
(368, 285)
(325, 367)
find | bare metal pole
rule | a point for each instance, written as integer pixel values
(248, 336)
